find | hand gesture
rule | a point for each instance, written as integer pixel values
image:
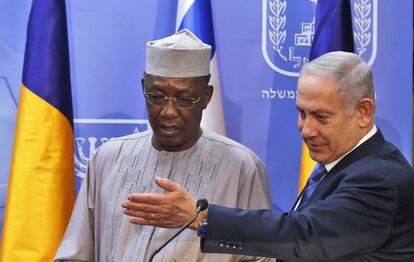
(172, 209)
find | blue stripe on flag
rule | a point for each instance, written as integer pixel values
(46, 60)
(333, 28)
(199, 20)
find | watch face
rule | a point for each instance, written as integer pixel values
(202, 229)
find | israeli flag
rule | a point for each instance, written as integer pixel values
(196, 16)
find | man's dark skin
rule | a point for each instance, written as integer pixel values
(176, 129)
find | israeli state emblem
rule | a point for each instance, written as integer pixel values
(288, 28)
(92, 133)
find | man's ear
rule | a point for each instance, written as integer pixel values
(208, 93)
(142, 85)
(366, 109)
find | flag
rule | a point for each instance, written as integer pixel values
(196, 15)
(41, 190)
(333, 32)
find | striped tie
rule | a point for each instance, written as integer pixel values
(315, 178)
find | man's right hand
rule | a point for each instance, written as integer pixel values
(172, 209)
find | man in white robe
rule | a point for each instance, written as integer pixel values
(208, 165)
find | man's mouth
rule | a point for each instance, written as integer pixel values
(314, 146)
(169, 130)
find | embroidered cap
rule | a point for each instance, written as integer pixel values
(180, 55)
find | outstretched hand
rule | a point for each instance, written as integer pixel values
(172, 209)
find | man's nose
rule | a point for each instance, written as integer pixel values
(307, 128)
(169, 109)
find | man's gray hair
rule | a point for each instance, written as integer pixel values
(354, 76)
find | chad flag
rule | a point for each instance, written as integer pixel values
(333, 32)
(41, 189)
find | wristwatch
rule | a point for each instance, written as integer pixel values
(201, 228)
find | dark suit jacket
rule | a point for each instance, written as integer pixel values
(363, 210)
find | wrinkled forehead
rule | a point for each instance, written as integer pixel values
(315, 87)
(316, 80)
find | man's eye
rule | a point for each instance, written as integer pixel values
(156, 98)
(185, 101)
(321, 118)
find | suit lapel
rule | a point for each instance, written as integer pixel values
(369, 147)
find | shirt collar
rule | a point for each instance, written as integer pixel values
(362, 140)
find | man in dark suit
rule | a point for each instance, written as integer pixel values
(358, 204)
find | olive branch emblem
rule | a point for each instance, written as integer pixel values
(362, 34)
(277, 21)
